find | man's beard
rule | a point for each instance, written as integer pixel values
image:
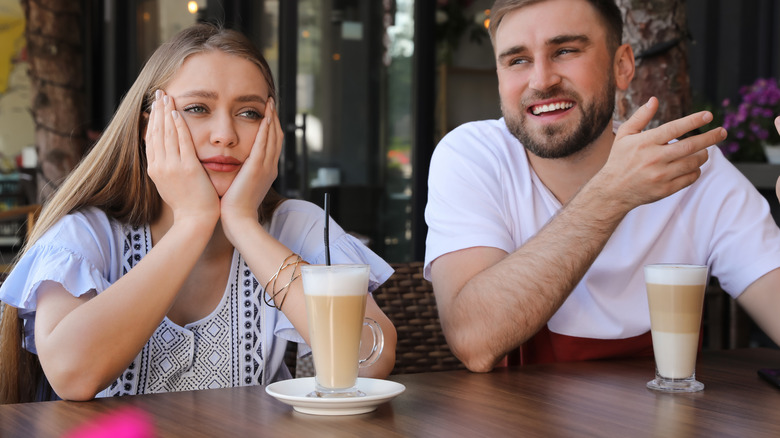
(554, 141)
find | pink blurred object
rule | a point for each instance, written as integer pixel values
(128, 422)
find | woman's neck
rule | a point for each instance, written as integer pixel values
(218, 243)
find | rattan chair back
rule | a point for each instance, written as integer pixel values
(407, 299)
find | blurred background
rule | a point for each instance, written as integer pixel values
(367, 88)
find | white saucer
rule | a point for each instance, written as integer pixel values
(293, 392)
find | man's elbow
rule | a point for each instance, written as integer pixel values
(476, 359)
(479, 366)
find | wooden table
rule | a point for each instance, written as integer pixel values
(599, 398)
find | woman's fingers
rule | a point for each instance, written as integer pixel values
(153, 130)
(171, 135)
(186, 148)
(278, 135)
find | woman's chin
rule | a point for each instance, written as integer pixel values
(221, 185)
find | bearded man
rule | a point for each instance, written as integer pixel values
(540, 222)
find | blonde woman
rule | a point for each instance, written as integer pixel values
(146, 271)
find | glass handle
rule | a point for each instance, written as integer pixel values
(378, 345)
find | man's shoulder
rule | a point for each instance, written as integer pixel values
(479, 138)
(479, 128)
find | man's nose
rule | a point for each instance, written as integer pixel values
(543, 76)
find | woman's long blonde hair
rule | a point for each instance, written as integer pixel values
(113, 177)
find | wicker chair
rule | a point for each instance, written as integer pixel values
(407, 299)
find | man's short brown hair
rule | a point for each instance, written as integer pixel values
(608, 10)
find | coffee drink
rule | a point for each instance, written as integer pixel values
(676, 322)
(336, 306)
(336, 317)
(675, 295)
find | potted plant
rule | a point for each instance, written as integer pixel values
(750, 123)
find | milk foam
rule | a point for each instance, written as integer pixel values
(683, 275)
(335, 280)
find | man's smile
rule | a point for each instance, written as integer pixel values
(551, 107)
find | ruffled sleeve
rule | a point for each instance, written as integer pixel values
(77, 274)
(75, 252)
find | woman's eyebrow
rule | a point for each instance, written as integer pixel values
(200, 93)
(251, 98)
(205, 94)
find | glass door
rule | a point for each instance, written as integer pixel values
(350, 133)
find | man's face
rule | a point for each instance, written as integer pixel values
(556, 77)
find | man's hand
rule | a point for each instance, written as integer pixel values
(644, 167)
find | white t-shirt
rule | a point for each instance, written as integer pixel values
(242, 342)
(483, 192)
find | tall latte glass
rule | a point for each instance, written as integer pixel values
(336, 306)
(675, 293)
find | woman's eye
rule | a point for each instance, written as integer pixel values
(195, 109)
(251, 114)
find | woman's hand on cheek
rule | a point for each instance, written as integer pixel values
(256, 175)
(174, 167)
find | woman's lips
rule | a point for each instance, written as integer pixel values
(221, 164)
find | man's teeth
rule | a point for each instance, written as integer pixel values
(551, 107)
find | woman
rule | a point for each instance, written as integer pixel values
(147, 270)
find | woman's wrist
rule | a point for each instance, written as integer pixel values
(237, 227)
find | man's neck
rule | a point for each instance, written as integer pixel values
(565, 176)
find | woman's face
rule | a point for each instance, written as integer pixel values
(222, 99)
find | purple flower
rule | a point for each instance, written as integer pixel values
(750, 120)
(729, 148)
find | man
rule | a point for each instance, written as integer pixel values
(540, 222)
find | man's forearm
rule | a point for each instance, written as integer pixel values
(511, 300)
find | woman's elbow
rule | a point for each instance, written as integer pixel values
(72, 382)
(73, 389)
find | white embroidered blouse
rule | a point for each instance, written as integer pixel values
(242, 342)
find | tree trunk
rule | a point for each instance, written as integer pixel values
(56, 58)
(657, 31)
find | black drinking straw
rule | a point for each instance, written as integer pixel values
(327, 228)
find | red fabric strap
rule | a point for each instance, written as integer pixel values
(547, 347)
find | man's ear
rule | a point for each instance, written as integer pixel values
(624, 66)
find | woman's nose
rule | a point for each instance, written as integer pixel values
(223, 132)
